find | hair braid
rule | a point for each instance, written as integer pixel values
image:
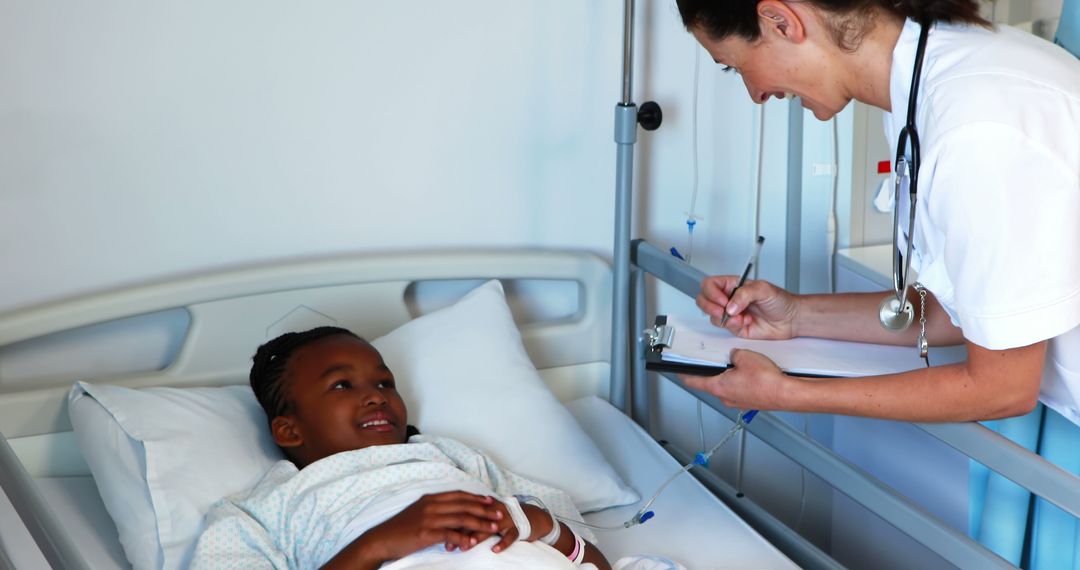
(268, 367)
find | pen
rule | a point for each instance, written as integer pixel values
(746, 273)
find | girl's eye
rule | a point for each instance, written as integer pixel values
(341, 385)
(386, 384)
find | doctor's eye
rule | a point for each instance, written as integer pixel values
(728, 68)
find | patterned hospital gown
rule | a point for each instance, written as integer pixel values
(301, 518)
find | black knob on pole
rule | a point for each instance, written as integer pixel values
(650, 116)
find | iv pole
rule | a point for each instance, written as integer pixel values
(627, 117)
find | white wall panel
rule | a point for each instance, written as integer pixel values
(139, 140)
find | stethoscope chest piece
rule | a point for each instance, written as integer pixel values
(892, 316)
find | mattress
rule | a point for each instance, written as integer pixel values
(691, 526)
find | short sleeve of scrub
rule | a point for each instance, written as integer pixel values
(1003, 225)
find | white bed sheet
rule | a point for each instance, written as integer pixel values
(691, 526)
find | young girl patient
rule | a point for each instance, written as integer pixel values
(354, 494)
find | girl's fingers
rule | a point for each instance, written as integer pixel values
(491, 512)
(450, 496)
(509, 537)
(454, 539)
(461, 522)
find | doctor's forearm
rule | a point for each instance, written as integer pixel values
(991, 384)
(854, 317)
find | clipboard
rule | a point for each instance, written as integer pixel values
(659, 338)
(691, 345)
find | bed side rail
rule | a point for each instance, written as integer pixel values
(59, 549)
(992, 450)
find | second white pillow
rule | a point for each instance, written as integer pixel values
(464, 373)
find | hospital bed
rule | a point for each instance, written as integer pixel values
(54, 516)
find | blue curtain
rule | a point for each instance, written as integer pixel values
(1006, 518)
(1068, 31)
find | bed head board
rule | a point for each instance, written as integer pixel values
(226, 314)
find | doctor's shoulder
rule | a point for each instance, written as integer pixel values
(1002, 76)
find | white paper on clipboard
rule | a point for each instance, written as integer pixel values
(697, 341)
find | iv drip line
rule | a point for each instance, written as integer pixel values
(701, 459)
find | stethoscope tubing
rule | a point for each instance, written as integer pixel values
(909, 136)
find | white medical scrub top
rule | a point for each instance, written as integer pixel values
(997, 227)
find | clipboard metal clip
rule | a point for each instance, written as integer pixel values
(659, 337)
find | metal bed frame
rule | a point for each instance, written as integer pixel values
(972, 439)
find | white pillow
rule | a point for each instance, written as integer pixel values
(464, 373)
(162, 456)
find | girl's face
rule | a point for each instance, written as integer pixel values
(775, 65)
(343, 397)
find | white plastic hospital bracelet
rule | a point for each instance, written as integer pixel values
(552, 537)
(517, 514)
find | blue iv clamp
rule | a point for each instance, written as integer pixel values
(700, 459)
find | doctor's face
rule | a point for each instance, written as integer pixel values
(343, 398)
(771, 67)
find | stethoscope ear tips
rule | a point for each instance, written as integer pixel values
(894, 318)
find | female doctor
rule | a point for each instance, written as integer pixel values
(993, 126)
(985, 127)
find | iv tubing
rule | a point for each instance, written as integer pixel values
(643, 514)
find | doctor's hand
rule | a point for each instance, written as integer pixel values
(753, 383)
(757, 310)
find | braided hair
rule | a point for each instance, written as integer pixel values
(268, 367)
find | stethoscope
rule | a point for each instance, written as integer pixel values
(896, 312)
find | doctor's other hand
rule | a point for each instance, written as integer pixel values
(757, 310)
(752, 383)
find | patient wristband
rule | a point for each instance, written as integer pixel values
(552, 537)
(517, 514)
(577, 556)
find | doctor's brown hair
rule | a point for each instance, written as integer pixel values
(848, 20)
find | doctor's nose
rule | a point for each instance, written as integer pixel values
(756, 95)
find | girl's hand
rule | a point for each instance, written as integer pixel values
(539, 524)
(758, 310)
(456, 518)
